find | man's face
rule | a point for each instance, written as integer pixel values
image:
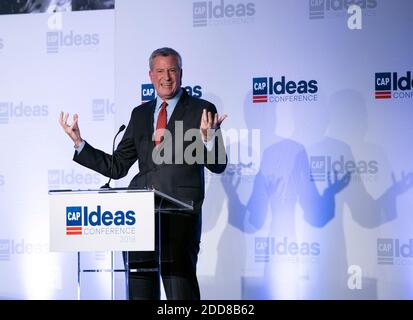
(166, 76)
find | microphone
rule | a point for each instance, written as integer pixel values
(107, 185)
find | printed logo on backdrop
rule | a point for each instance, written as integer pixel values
(102, 109)
(394, 251)
(10, 247)
(245, 172)
(63, 41)
(218, 13)
(60, 178)
(268, 89)
(320, 9)
(390, 85)
(243, 150)
(1, 44)
(271, 249)
(148, 91)
(82, 220)
(10, 111)
(362, 170)
(236, 170)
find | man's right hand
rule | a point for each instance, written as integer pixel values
(72, 130)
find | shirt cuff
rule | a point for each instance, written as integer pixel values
(79, 148)
(209, 145)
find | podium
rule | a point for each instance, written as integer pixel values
(118, 219)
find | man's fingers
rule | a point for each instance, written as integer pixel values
(210, 119)
(218, 120)
(221, 119)
(204, 118)
(75, 119)
(63, 119)
(215, 124)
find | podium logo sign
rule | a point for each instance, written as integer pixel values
(85, 221)
(73, 220)
(94, 220)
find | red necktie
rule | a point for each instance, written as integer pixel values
(161, 123)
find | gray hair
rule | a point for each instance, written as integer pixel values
(165, 52)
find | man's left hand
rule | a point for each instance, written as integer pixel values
(209, 124)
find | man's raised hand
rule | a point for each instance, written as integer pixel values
(209, 124)
(72, 130)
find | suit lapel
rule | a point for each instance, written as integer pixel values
(151, 111)
(179, 111)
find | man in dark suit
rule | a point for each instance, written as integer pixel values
(174, 137)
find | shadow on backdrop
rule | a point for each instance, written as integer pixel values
(261, 230)
(329, 129)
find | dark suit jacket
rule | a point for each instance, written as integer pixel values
(182, 180)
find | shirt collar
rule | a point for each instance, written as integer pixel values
(171, 102)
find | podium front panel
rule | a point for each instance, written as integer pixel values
(102, 221)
